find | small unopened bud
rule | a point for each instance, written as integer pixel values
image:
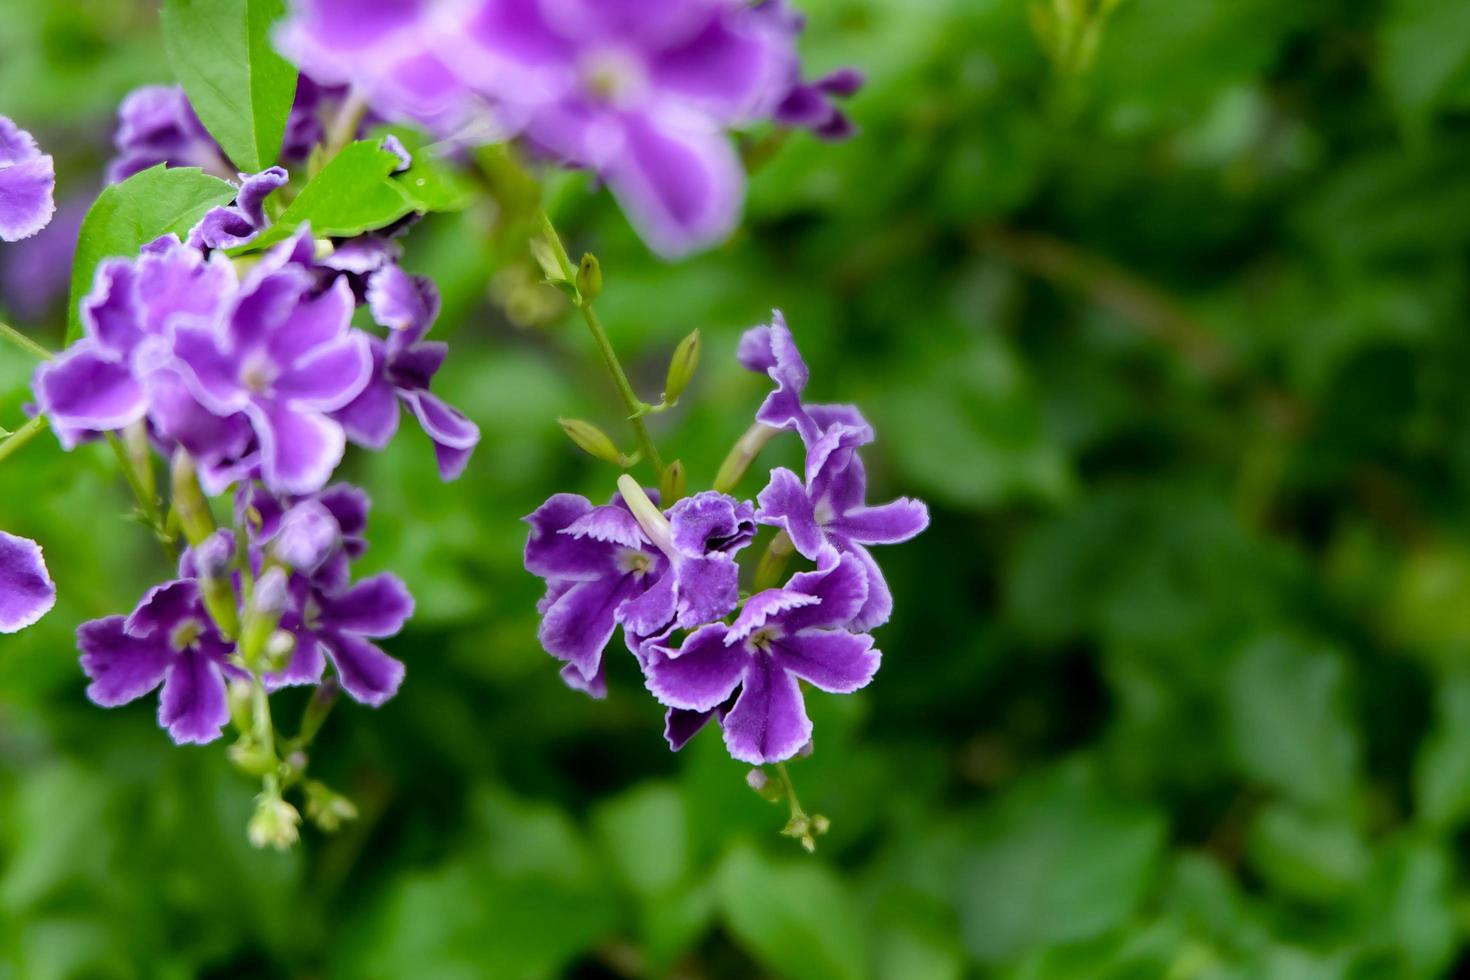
(757, 779)
(674, 483)
(241, 708)
(647, 514)
(212, 559)
(327, 809)
(270, 595)
(592, 441)
(589, 278)
(682, 367)
(820, 824)
(308, 536)
(278, 649)
(250, 757)
(267, 603)
(274, 824)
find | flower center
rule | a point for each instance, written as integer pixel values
(638, 563)
(258, 373)
(186, 634)
(824, 511)
(762, 639)
(614, 77)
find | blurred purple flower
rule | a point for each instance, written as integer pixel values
(26, 590)
(811, 105)
(169, 639)
(36, 273)
(27, 184)
(780, 637)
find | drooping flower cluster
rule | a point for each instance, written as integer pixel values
(640, 93)
(254, 375)
(669, 578)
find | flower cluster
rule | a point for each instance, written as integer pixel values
(669, 578)
(641, 94)
(254, 375)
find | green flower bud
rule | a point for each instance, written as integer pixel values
(327, 809)
(589, 278)
(592, 441)
(674, 484)
(275, 823)
(682, 367)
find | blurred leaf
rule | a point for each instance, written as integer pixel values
(1424, 46)
(793, 917)
(1409, 907)
(129, 215)
(1305, 855)
(241, 89)
(645, 833)
(1056, 860)
(1288, 725)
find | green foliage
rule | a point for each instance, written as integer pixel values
(129, 215)
(240, 88)
(1179, 682)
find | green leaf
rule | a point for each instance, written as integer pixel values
(1442, 771)
(647, 836)
(1288, 727)
(1058, 860)
(794, 917)
(355, 193)
(129, 215)
(1424, 46)
(240, 88)
(1306, 855)
(431, 184)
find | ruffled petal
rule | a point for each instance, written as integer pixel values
(26, 590)
(784, 503)
(299, 450)
(703, 674)
(367, 673)
(83, 389)
(889, 523)
(835, 661)
(377, 606)
(553, 555)
(122, 668)
(768, 722)
(193, 706)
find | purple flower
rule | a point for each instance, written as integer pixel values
(26, 590)
(169, 639)
(35, 273)
(285, 359)
(27, 184)
(811, 105)
(780, 637)
(264, 515)
(639, 92)
(594, 560)
(403, 369)
(122, 371)
(157, 125)
(771, 350)
(239, 223)
(827, 514)
(388, 51)
(342, 625)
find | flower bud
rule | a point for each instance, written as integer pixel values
(757, 779)
(213, 557)
(241, 708)
(589, 278)
(278, 649)
(674, 483)
(592, 441)
(270, 595)
(682, 367)
(308, 536)
(274, 824)
(327, 809)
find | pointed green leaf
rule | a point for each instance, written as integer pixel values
(240, 88)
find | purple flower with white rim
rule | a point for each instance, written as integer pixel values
(285, 359)
(782, 636)
(342, 625)
(639, 92)
(239, 223)
(828, 514)
(594, 559)
(170, 640)
(262, 514)
(810, 105)
(27, 184)
(122, 371)
(156, 124)
(403, 370)
(772, 350)
(26, 590)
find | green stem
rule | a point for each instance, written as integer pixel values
(772, 567)
(147, 499)
(797, 813)
(23, 342)
(21, 436)
(634, 405)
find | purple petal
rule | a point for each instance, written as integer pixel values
(653, 609)
(768, 722)
(83, 389)
(305, 666)
(314, 324)
(26, 590)
(163, 608)
(611, 524)
(711, 521)
(578, 625)
(371, 418)
(299, 450)
(122, 668)
(308, 535)
(405, 304)
(726, 71)
(451, 461)
(878, 606)
(213, 376)
(377, 607)
(329, 377)
(708, 588)
(834, 661)
(367, 673)
(445, 424)
(552, 555)
(703, 674)
(681, 726)
(754, 352)
(841, 587)
(594, 686)
(679, 181)
(110, 312)
(784, 503)
(889, 523)
(193, 706)
(27, 184)
(350, 506)
(763, 606)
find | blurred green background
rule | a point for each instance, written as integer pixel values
(1175, 344)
